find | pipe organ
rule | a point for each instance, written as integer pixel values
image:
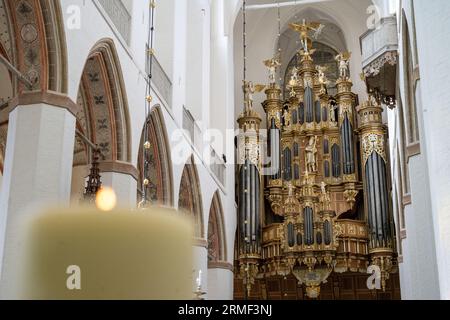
(319, 202)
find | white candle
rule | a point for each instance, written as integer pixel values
(88, 254)
(199, 279)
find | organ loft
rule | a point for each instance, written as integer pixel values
(314, 197)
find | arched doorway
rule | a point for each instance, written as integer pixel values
(159, 191)
(102, 117)
(190, 199)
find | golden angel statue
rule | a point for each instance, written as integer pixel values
(249, 90)
(294, 77)
(304, 29)
(344, 60)
(272, 65)
(325, 196)
(333, 108)
(321, 75)
(287, 118)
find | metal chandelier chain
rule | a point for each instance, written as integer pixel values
(279, 39)
(244, 37)
(148, 101)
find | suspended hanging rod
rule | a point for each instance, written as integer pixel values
(91, 145)
(13, 69)
(283, 4)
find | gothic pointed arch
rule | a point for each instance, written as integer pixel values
(32, 39)
(190, 199)
(216, 232)
(160, 189)
(103, 115)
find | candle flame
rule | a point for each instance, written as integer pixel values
(106, 199)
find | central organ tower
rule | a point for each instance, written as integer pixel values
(315, 208)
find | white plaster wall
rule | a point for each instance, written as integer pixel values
(220, 284)
(197, 17)
(38, 163)
(125, 187)
(433, 46)
(419, 271)
(164, 40)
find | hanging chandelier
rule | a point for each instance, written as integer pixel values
(94, 183)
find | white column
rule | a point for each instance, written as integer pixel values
(38, 165)
(122, 178)
(79, 174)
(433, 46)
(200, 263)
(220, 284)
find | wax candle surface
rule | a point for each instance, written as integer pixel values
(113, 255)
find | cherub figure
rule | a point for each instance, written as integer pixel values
(287, 118)
(321, 75)
(323, 188)
(325, 196)
(294, 77)
(344, 60)
(249, 90)
(272, 65)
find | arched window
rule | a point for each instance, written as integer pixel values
(159, 172)
(216, 232)
(411, 119)
(190, 196)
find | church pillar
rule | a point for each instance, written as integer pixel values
(220, 281)
(122, 178)
(38, 163)
(200, 251)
